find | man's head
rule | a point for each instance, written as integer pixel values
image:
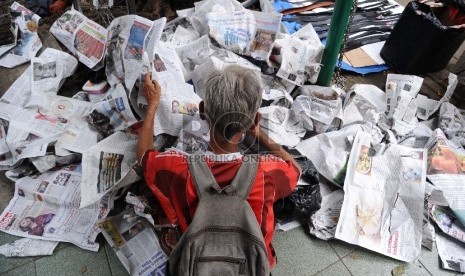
(232, 98)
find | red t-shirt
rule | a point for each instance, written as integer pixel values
(167, 175)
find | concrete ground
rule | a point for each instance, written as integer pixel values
(298, 253)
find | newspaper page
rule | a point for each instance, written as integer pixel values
(446, 170)
(274, 92)
(170, 28)
(199, 19)
(329, 152)
(50, 161)
(282, 125)
(426, 106)
(29, 44)
(20, 91)
(140, 206)
(186, 12)
(417, 138)
(65, 26)
(7, 110)
(178, 103)
(400, 92)
(50, 71)
(154, 35)
(193, 54)
(46, 207)
(23, 144)
(194, 136)
(20, 171)
(323, 223)
(81, 36)
(135, 243)
(448, 223)
(26, 13)
(245, 32)
(451, 252)
(78, 137)
(166, 61)
(105, 166)
(183, 36)
(298, 56)
(363, 103)
(383, 202)
(126, 41)
(28, 247)
(273, 82)
(114, 114)
(452, 122)
(52, 117)
(318, 106)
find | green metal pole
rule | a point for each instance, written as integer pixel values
(337, 29)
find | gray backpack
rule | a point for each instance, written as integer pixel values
(224, 237)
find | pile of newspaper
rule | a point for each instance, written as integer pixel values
(400, 170)
(71, 158)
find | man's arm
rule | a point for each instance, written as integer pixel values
(272, 146)
(151, 93)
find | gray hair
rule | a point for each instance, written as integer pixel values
(232, 98)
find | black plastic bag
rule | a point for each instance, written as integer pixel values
(420, 43)
(304, 200)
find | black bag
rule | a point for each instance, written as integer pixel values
(304, 200)
(420, 43)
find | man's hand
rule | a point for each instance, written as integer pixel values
(151, 91)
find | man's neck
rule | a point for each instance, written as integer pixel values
(218, 145)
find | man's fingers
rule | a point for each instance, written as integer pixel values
(148, 78)
(155, 83)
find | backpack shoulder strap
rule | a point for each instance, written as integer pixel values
(204, 181)
(206, 185)
(245, 176)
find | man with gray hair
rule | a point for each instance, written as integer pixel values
(232, 98)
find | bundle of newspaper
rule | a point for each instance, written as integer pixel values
(382, 143)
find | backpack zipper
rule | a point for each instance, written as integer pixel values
(223, 229)
(224, 259)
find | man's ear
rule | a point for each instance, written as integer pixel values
(202, 110)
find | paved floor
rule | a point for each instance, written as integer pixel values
(298, 255)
